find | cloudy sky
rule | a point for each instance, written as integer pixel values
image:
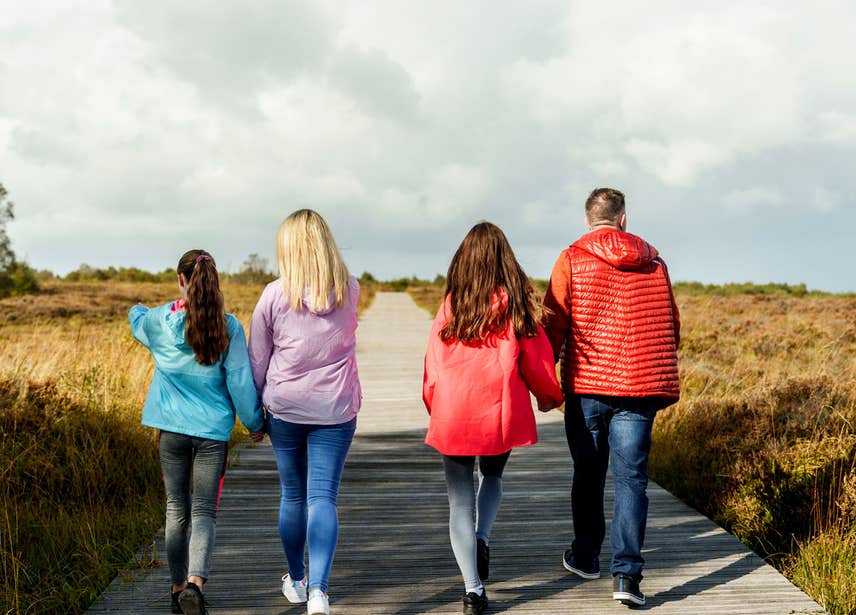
(131, 131)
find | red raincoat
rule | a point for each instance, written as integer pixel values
(478, 393)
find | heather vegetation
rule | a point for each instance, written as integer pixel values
(764, 438)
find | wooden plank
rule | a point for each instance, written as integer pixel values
(394, 556)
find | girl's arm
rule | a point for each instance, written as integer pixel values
(239, 379)
(539, 370)
(261, 341)
(137, 318)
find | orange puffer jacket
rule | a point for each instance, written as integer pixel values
(614, 321)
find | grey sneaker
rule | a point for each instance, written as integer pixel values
(626, 590)
(586, 570)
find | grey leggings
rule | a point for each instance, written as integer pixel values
(191, 518)
(462, 506)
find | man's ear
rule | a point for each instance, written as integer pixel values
(622, 222)
(586, 222)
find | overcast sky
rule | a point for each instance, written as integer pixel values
(131, 131)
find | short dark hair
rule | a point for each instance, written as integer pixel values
(604, 205)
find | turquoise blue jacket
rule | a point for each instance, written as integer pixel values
(186, 397)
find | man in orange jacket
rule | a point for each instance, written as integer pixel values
(614, 325)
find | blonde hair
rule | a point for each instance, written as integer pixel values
(309, 261)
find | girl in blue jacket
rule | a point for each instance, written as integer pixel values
(202, 378)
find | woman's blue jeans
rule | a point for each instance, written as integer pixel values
(310, 460)
(601, 430)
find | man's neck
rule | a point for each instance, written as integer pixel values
(611, 225)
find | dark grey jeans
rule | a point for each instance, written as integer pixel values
(193, 472)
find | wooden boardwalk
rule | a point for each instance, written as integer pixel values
(394, 556)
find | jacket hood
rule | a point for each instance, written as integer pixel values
(323, 311)
(175, 319)
(622, 250)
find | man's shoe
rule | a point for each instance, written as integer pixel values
(589, 570)
(483, 559)
(176, 607)
(192, 601)
(294, 591)
(475, 604)
(625, 589)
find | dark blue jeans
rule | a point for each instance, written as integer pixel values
(601, 430)
(310, 460)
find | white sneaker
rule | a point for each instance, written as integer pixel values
(319, 603)
(295, 591)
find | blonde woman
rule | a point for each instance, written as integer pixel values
(302, 342)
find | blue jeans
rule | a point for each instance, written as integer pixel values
(310, 460)
(599, 430)
(190, 518)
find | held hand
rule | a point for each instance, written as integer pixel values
(257, 436)
(547, 405)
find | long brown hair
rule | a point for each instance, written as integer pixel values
(484, 264)
(205, 324)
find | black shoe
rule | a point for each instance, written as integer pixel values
(176, 607)
(475, 604)
(585, 569)
(192, 601)
(626, 590)
(483, 559)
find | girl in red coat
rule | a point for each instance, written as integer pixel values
(485, 353)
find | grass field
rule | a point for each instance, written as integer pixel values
(763, 440)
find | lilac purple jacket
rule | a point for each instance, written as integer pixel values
(304, 363)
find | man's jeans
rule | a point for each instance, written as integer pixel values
(599, 430)
(193, 472)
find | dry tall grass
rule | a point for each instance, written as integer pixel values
(764, 438)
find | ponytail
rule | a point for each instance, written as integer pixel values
(205, 325)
